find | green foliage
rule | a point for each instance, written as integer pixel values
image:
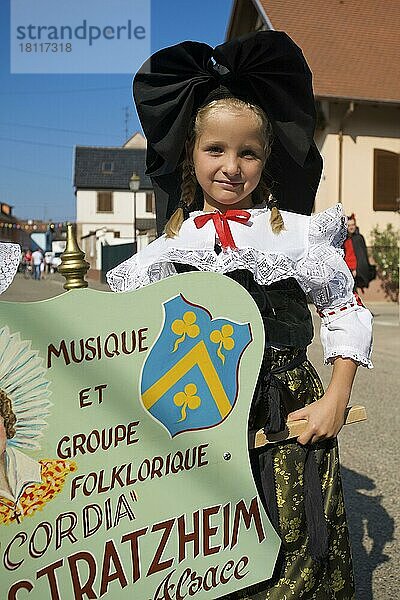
(385, 252)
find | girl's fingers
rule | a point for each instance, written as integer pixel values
(311, 437)
(302, 413)
(305, 438)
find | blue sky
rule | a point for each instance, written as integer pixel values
(43, 117)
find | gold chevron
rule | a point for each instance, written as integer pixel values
(198, 355)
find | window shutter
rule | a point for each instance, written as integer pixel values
(104, 202)
(386, 180)
(149, 202)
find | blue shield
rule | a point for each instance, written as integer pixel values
(190, 379)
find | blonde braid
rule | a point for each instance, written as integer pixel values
(262, 192)
(188, 188)
(276, 219)
(189, 182)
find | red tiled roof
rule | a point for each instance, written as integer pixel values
(352, 46)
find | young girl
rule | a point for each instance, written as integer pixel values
(235, 124)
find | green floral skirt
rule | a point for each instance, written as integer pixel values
(296, 574)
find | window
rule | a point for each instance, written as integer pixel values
(386, 180)
(107, 167)
(150, 202)
(104, 202)
(117, 234)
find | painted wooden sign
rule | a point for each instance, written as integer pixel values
(124, 466)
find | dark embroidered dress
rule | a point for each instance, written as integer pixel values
(300, 486)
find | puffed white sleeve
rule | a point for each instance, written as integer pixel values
(10, 256)
(346, 325)
(148, 266)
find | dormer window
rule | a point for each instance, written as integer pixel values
(107, 167)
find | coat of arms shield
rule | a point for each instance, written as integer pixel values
(190, 376)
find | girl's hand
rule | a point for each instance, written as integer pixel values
(325, 418)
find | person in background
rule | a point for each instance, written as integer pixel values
(27, 257)
(356, 255)
(48, 258)
(55, 263)
(37, 259)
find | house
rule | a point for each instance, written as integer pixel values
(108, 213)
(7, 223)
(10, 227)
(353, 51)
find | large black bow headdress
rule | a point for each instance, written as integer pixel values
(265, 68)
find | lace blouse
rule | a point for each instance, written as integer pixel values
(308, 249)
(10, 255)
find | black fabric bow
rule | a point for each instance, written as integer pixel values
(265, 68)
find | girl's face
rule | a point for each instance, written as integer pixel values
(228, 158)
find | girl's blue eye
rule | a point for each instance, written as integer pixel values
(214, 149)
(249, 153)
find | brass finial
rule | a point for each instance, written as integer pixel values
(73, 266)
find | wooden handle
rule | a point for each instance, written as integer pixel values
(354, 414)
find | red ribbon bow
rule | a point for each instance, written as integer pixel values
(221, 224)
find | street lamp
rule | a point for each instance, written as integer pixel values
(134, 184)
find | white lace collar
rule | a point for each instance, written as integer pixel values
(256, 234)
(309, 249)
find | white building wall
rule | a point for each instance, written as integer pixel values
(104, 224)
(123, 203)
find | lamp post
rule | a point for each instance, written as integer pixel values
(134, 184)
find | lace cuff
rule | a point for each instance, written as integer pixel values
(10, 256)
(349, 335)
(360, 359)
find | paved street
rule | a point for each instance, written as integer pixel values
(370, 462)
(369, 452)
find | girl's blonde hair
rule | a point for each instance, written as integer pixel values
(189, 181)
